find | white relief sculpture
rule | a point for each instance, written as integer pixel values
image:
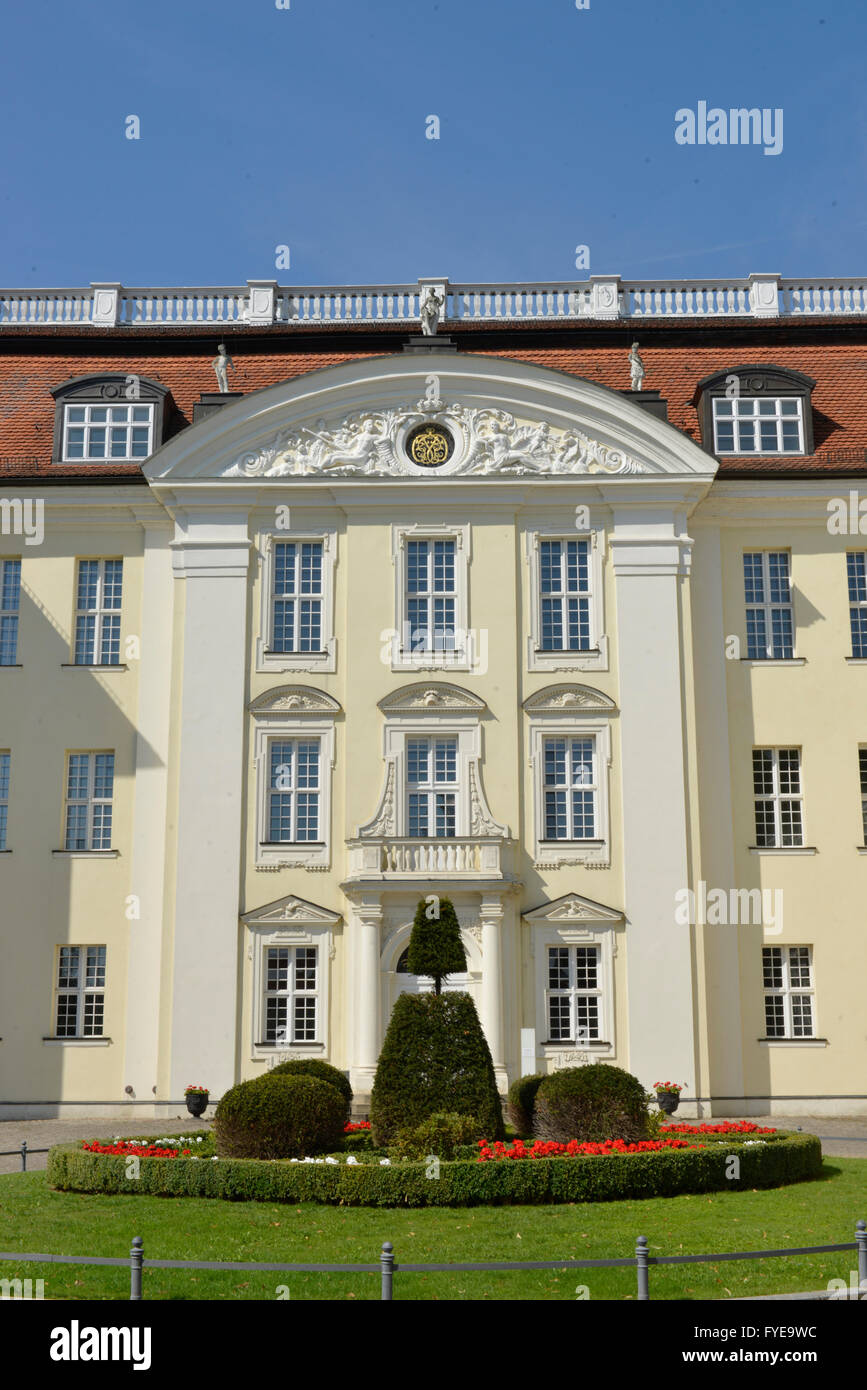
(487, 441)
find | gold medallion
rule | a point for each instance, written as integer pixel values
(430, 446)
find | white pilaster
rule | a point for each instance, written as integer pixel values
(365, 930)
(147, 884)
(211, 556)
(650, 554)
(492, 914)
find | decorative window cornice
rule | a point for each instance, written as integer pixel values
(568, 699)
(433, 696)
(294, 700)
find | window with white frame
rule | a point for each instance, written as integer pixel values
(789, 991)
(431, 569)
(768, 594)
(862, 768)
(432, 792)
(97, 612)
(10, 600)
(565, 600)
(96, 433)
(5, 763)
(778, 797)
(291, 996)
(89, 793)
(80, 994)
(297, 602)
(570, 788)
(573, 998)
(758, 425)
(856, 574)
(294, 791)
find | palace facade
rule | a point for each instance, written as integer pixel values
(499, 613)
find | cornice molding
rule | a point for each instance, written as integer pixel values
(294, 699)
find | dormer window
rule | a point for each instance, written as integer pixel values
(756, 410)
(113, 418)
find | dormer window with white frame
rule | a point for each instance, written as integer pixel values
(566, 608)
(431, 599)
(297, 602)
(293, 745)
(570, 758)
(113, 417)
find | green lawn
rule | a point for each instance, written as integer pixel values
(34, 1218)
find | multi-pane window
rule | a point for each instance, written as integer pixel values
(80, 1001)
(432, 778)
(788, 986)
(862, 768)
(856, 574)
(294, 790)
(89, 791)
(298, 596)
(10, 599)
(574, 994)
(570, 788)
(99, 432)
(97, 612)
(431, 596)
(758, 425)
(5, 759)
(291, 994)
(564, 595)
(768, 593)
(778, 797)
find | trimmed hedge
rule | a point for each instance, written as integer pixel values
(319, 1070)
(797, 1158)
(279, 1117)
(592, 1103)
(522, 1102)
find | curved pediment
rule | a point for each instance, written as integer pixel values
(430, 695)
(565, 697)
(480, 417)
(294, 699)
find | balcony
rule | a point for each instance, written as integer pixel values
(389, 858)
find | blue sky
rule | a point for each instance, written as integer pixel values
(306, 127)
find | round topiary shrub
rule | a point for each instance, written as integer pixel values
(522, 1102)
(435, 1059)
(279, 1117)
(442, 1135)
(593, 1103)
(321, 1071)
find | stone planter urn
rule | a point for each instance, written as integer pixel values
(197, 1102)
(668, 1101)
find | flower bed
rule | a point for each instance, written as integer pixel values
(725, 1127)
(549, 1148)
(660, 1172)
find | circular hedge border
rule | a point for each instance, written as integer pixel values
(463, 1183)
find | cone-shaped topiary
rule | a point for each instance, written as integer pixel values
(435, 1058)
(435, 946)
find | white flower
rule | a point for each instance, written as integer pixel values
(199, 1139)
(351, 1159)
(385, 1163)
(194, 1158)
(309, 1160)
(214, 1159)
(331, 1160)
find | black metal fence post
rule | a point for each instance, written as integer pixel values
(136, 1259)
(386, 1264)
(643, 1268)
(24, 1155)
(861, 1242)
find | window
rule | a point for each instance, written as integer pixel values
(574, 994)
(788, 986)
(80, 1002)
(431, 608)
(10, 599)
(768, 593)
(97, 612)
(5, 760)
(778, 797)
(93, 433)
(89, 790)
(570, 789)
(431, 775)
(298, 597)
(564, 595)
(291, 994)
(768, 425)
(293, 798)
(862, 767)
(856, 573)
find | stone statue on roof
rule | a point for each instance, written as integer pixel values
(636, 369)
(219, 364)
